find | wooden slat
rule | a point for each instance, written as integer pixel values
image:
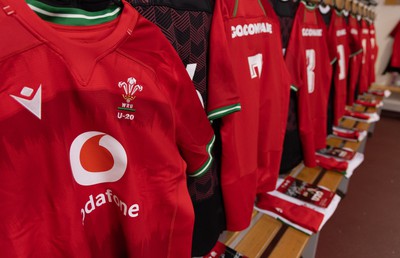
(333, 141)
(291, 244)
(386, 87)
(392, 2)
(309, 174)
(348, 123)
(358, 108)
(362, 126)
(371, 110)
(259, 237)
(370, 97)
(331, 180)
(352, 145)
(228, 237)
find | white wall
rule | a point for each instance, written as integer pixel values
(387, 17)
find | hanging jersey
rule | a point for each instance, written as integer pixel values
(299, 142)
(186, 24)
(326, 13)
(292, 153)
(355, 58)
(246, 58)
(338, 39)
(374, 52)
(395, 59)
(108, 122)
(307, 57)
(365, 60)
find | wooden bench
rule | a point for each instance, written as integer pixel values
(268, 237)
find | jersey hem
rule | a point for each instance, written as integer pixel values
(199, 172)
(221, 112)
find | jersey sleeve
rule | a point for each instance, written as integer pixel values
(395, 59)
(223, 97)
(194, 134)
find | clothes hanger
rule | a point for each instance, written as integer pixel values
(328, 2)
(362, 10)
(354, 7)
(339, 5)
(365, 11)
(313, 1)
(347, 5)
(371, 14)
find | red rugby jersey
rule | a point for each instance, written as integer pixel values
(364, 78)
(374, 52)
(99, 121)
(395, 59)
(307, 57)
(246, 59)
(299, 139)
(355, 58)
(338, 38)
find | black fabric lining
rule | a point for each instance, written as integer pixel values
(187, 5)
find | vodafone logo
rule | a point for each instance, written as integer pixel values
(96, 158)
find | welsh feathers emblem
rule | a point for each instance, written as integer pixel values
(130, 88)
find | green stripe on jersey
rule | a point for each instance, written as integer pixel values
(356, 53)
(235, 8)
(262, 7)
(207, 164)
(220, 112)
(73, 16)
(294, 88)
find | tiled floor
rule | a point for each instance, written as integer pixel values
(367, 221)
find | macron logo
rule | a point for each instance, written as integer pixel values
(32, 102)
(255, 62)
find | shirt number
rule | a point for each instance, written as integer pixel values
(342, 64)
(310, 56)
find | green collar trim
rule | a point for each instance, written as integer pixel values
(339, 12)
(73, 16)
(309, 6)
(206, 166)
